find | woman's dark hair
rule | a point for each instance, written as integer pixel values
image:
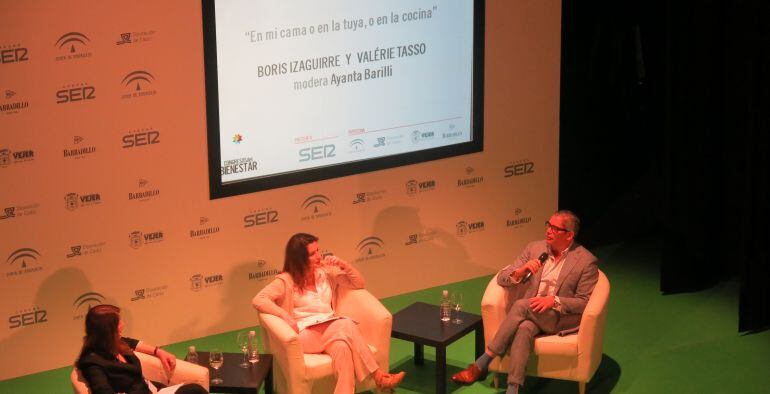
(296, 261)
(102, 332)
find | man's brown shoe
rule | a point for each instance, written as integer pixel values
(468, 375)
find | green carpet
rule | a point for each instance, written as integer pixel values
(685, 343)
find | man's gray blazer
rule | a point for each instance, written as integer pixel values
(574, 285)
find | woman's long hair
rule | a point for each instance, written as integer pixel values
(102, 334)
(296, 262)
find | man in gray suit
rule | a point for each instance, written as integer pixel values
(547, 288)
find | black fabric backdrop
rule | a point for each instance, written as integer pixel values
(663, 114)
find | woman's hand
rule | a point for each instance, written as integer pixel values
(291, 322)
(334, 261)
(167, 359)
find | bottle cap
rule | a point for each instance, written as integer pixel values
(445, 293)
(191, 349)
(252, 333)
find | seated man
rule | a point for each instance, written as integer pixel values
(548, 288)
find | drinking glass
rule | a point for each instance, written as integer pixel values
(243, 343)
(457, 307)
(216, 359)
(254, 351)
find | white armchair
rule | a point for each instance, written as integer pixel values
(152, 370)
(298, 373)
(572, 357)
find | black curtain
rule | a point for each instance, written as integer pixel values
(664, 107)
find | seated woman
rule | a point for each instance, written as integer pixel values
(108, 363)
(303, 296)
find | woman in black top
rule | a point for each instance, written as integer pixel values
(108, 362)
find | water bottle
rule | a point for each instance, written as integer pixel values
(445, 307)
(192, 355)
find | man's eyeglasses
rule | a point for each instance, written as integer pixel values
(555, 229)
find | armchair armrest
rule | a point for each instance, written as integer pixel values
(375, 321)
(281, 340)
(492, 309)
(185, 372)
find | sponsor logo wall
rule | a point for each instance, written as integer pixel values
(104, 175)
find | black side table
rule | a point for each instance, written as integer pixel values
(241, 380)
(420, 323)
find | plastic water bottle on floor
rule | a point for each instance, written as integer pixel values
(445, 307)
(192, 355)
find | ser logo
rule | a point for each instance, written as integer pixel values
(34, 316)
(260, 218)
(141, 138)
(75, 92)
(14, 55)
(317, 152)
(520, 168)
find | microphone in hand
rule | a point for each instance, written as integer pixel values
(543, 257)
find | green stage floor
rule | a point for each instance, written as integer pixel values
(685, 343)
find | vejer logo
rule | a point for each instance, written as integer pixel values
(8, 157)
(370, 248)
(14, 53)
(466, 227)
(523, 167)
(462, 228)
(413, 187)
(196, 282)
(137, 238)
(316, 206)
(72, 200)
(261, 217)
(418, 136)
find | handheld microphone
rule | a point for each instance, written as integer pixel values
(543, 257)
